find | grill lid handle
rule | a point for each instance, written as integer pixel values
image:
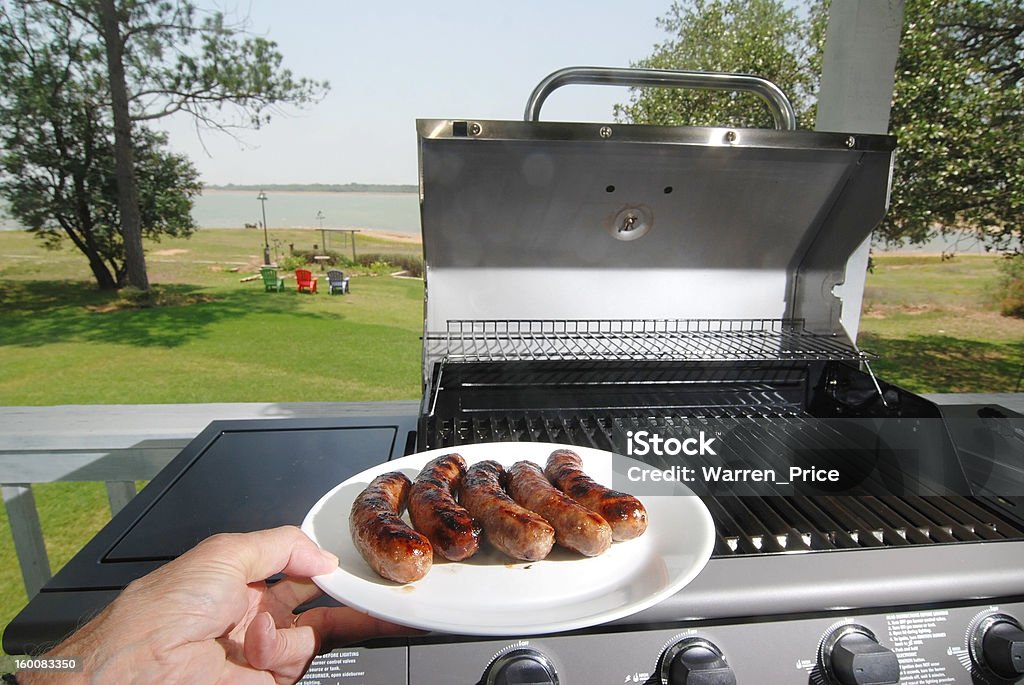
(778, 103)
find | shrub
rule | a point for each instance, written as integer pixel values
(293, 262)
(374, 263)
(132, 297)
(412, 265)
(1013, 301)
(1012, 283)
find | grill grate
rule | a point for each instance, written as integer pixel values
(754, 524)
(635, 340)
(760, 525)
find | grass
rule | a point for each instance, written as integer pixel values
(934, 323)
(66, 343)
(220, 340)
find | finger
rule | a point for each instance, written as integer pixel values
(285, 652)
(263, 553)
(290, 593)
(337, 626)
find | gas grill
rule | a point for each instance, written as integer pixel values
(588, 284)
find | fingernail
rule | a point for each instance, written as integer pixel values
(268, 623)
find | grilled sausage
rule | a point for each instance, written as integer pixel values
(516, 531)
(435, 513)
(576, 527)
(625, 513)
(387, 543)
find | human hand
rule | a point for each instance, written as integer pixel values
(209, 617)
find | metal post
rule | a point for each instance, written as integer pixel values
(262, 197)
(23, 518)
(323, 240)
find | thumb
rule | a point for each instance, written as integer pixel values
(285, 652)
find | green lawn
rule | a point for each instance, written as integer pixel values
(63, 342)
(933, 322)
(936, 326)
(225, 341)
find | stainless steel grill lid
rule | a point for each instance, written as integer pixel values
(572, 221)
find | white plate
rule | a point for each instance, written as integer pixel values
(491, 594)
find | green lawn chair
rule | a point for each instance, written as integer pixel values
(271, 281)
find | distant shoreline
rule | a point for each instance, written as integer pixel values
(316, 188)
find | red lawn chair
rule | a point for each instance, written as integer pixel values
(305, 281)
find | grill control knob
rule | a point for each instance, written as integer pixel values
(522, 666)
(997, 647)
(695, 661)
(850, 655)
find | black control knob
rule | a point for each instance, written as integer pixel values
(850, 655)
(998, 647)
(522, 666)
(695, 661)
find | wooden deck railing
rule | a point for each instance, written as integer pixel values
(118, 468)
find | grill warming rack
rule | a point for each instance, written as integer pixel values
(636, 340)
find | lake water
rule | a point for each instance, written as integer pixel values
(397, 212)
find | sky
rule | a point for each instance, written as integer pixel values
(390, 62)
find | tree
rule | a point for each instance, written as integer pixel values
(761, 37)
(57, 158)
(958, 114)
(124, 157)
(165, 56)
(957, 108)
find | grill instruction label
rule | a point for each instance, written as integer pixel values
(915, 636)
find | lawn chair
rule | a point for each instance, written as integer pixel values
(305, 282)
(337, 282)
(271, 281)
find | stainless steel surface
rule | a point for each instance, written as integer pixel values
(778, 104)
(519, 222)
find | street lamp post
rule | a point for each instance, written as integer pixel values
(262, 197)
(323, 241)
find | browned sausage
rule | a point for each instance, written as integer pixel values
(389, 545)
(625, 513)
(516, 531)
(576, 527)
(435, 513)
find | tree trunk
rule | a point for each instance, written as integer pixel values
(104, 279)
(127, 188)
